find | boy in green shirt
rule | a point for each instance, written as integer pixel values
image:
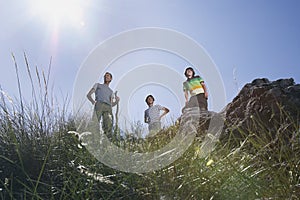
(195, 87)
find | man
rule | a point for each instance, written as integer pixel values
(103, 103)
(194, 85)
(153, 114)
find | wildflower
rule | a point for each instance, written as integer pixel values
(6, 181)
(197, 152)
(209, 162)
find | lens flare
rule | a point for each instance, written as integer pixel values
(59, 11)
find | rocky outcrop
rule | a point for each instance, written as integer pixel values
(261, 107)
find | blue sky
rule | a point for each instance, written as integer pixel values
(245, 39)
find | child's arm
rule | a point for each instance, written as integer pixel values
(186, 96)
(146, 118)
(166, 110)
(205, 89)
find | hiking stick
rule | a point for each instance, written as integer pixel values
(117, 112)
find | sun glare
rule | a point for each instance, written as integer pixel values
(59, 11)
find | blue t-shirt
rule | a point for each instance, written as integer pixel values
(103, 93)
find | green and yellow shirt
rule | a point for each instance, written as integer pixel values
(193, 85)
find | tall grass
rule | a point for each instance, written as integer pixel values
(26, 135)
(41, 159)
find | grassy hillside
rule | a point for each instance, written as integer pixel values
(41, 159)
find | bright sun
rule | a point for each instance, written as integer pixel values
(59, 11)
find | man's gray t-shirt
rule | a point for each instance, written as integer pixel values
(103, 93)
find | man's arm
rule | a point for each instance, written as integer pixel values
(113, 103)
(89, 96)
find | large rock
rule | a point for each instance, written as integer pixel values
(262, 107)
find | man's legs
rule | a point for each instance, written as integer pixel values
(107, 120)
(103, 111)
(98, 110)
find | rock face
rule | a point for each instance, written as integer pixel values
(263, 106)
